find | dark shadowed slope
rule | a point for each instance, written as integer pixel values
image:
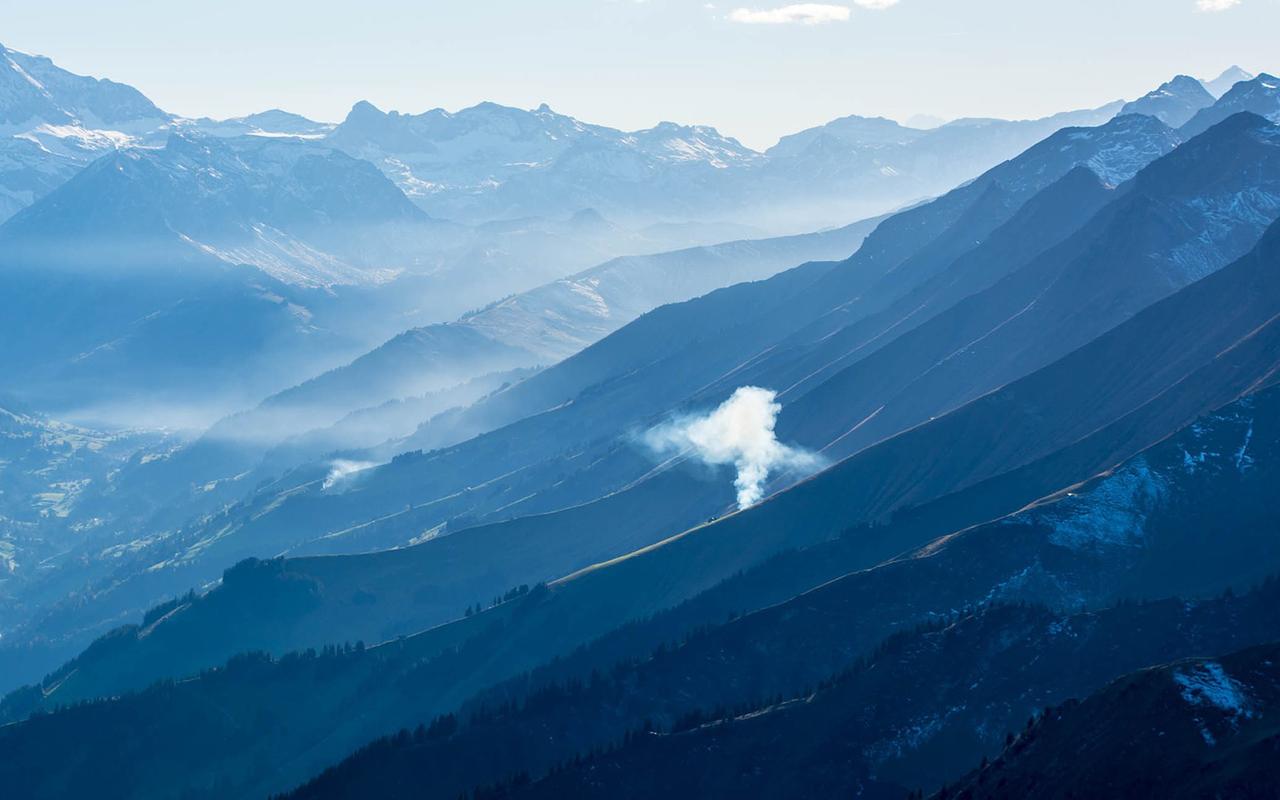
(1183, 217)
(911, 715)
(1185, 517)
(1041, 223)
(1201, 728)
(1084, 549)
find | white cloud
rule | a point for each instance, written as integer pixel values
(799, 13)
(805, 13)
(1216, 5)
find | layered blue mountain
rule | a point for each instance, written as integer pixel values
(925, 259)
(492, 161)
(1173, 103)
(1204, 347)
(865, 158)
(202, 269)
(158, 493)
(373, 402)
(385, 493)
(1260, 95)
(1027, 424)
(1126, 534)
(541, 326)
(1172, 225)
(1229, 77)
(721, 346)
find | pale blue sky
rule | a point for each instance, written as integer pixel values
(632, 63)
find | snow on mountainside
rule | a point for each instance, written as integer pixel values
(1261, 95)
(32, 88)
(1173, 103)
(298, 212)
(265, 123)
(437, 154)
(53, 122)
(1116, 152)
(491, 161)
(1113, 512)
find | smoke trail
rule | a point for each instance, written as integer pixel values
(738, 432)
(340, 468)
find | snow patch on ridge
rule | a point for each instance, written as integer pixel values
(1208, 684)
(1113, 512)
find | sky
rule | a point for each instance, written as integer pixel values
(755, 70)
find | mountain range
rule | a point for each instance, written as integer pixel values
(395, 490)
(553, 468)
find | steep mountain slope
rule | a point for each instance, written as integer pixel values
(872, 484)
(36, 89)
(670, 352)
(561, 318)
(539, 326)
(918, 244)
(133, 582)
(1183, 217)
(53, 122)
(1082, 549)
(665, 355)
(225, 462)
(1041, 223)
(1204, 347)
(659, 360)
(1188, 516)
(1204, 727)
(1260, 96)
(1173, 103)
(908, 716)
(543, 325)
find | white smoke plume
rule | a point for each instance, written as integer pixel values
(738, 432)
(341, 468)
